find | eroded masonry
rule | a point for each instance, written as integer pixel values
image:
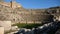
(17, 14)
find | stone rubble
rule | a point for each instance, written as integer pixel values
(49, 28)
(14, 28)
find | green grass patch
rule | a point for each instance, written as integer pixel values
(28, 26)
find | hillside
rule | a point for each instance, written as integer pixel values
(22, 15)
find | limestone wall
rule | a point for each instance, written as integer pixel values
(1, 30)
(21, 15)
(6, 25)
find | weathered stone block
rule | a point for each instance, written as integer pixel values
(1, 30)
(30, 22)
(14, 28)
(6, 25)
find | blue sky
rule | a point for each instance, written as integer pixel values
(38, 3)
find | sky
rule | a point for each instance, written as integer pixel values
(36, 4)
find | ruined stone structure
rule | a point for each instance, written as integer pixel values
(17, 14)
(55, 11)
(10, 4)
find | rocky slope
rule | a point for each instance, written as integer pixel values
(20, 14)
